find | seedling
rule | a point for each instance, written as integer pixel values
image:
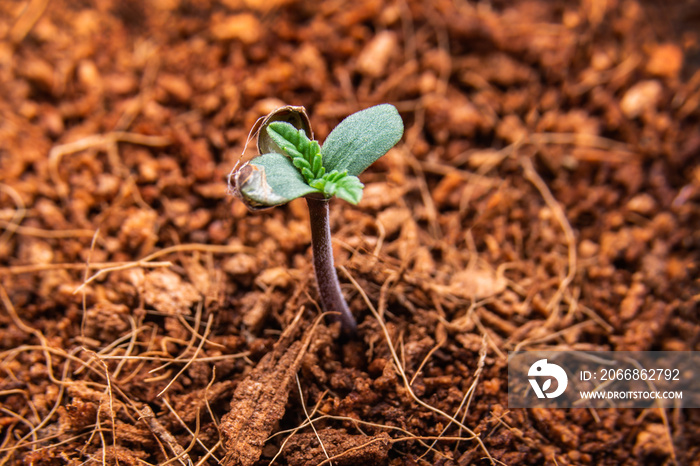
(291, 165)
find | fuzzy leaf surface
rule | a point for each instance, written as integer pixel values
(274, 180)
(360, 139)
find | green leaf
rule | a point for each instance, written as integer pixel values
(350, 189)
(296, 116)
(288, 139)
(270, 180)
(360, 139)
(305, 153)
(345, 187)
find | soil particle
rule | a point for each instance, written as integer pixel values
(105, 320)
(342, 447)
(166, 291)
(652, 442)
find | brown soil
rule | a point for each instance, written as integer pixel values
(546, 194)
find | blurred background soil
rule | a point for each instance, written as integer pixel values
(546, 194)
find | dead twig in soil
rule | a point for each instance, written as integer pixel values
(8, 435)
(195, 403)
(397, 364)
(195, 435)
(259, 400)
(409, 32)
(163, 435)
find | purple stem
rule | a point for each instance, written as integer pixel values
(332, 299)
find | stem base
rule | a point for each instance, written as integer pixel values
(332, 299)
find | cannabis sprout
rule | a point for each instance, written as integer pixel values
(291, 165)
